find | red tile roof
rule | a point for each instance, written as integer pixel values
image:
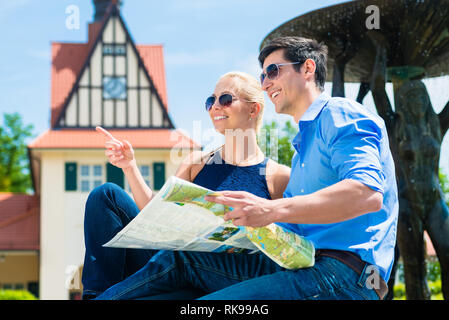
(153, 59)
(68, 60)
(89, 138)
(19, 222)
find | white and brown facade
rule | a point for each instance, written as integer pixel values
(110, 82)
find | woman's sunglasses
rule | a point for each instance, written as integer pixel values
(273, 71)
(224, 100)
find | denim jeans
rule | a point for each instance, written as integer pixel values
(241, 277)
(108, 210)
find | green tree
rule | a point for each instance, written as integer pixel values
(14, 163)
(276, 142)
(444, 182)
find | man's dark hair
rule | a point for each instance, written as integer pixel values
(300, 49)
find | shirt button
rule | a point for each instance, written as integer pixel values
(302, 190)
(302, 164)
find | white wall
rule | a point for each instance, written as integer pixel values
(52, 247)
(62, 214)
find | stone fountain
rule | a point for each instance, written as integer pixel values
(408, 43)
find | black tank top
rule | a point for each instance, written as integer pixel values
(217, 175)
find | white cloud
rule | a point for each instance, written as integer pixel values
(184, 5)
(188, 59)
(437, 88)
(249, 64)
(40, 54)
(7, 7)
(194, 4)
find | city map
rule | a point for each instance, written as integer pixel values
(179, 218)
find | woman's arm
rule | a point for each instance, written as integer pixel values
(121, 154)
(142, 193)
(277, 176)
(191, 165)
(185, 167)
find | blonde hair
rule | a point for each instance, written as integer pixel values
(251, 90)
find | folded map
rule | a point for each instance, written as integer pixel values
(179, 218)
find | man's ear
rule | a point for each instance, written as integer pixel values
(309, 67)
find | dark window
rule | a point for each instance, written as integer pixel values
(115, 175)
(70, 176)
(159, 175)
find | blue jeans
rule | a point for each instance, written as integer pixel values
(221, 276)
(108, 210)
(241, 277)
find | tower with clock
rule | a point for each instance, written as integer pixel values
(116, 86)
(109, 81)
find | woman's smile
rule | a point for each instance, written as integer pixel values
(219, 118)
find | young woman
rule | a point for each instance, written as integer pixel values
(236, 109)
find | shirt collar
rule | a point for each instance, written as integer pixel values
(314, 109)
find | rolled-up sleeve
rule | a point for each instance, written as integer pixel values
(353, 145)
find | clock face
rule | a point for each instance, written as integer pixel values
(114, 87)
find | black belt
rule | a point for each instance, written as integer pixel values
(355, 263)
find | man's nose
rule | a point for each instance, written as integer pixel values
(266, 84)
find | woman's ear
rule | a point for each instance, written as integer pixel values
(255, 109)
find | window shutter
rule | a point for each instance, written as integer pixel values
(70, 176)
(115, 175)
(159, 175)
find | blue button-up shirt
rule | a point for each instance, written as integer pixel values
(340, 139)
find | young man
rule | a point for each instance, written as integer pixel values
(342, 192)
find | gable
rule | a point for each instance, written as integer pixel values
(115, 87)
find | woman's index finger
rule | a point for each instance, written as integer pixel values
(105, 132)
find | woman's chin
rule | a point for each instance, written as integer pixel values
(220, 130)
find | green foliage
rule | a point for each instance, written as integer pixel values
(433, 269)
(14, 165)
(276, 142)
(444, 182)
(399, 291)
(434, 286)
(16, 295)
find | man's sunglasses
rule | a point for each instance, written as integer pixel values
(273, 71)
(224, 100)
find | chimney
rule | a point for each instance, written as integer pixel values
(101, 7)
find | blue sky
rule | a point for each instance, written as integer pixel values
(202, 39)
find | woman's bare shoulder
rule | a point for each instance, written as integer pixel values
(192, 164)
(277, 176)
(277, 170)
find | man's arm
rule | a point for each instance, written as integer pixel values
(344, 200)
